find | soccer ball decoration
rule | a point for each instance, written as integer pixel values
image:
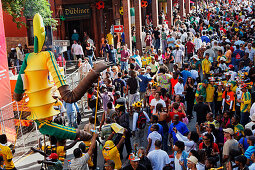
(144, 4)
(121, 11)
(100, 5)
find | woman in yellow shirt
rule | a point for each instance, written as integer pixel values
(218, 98)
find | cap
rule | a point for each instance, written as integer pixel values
(220, 83)
(230, 66)
(228, 85)
(133, 157)
(222, 59)
(243, 86)
(109, 145)
(229, 130)
(148, 68)
(193, 159)
(13, 49)
(118, 106)
(177, 46)
(211, 79)
(117, 93)
(137, 104)
(53, 156)
(252, 117)
(19, 45)
(195, 57)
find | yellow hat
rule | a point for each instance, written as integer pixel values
(109, 144)
(118, 106)
(39, 33)
(137, 104)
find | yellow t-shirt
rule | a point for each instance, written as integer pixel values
(113, 154)
(6, 153)
(210, 93)
(206, 66)
(146, 61)
(219, 98)
(109, 37)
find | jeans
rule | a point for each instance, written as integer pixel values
(71, 117)
(157, 44)
(124, 65)
(90, 60)
(139, 137)
(244, 118)
(164, 45)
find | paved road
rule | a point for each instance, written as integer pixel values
(29, 162)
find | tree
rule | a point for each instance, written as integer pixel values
(28, 8)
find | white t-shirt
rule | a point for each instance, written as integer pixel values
(158, 159)
(85, 68)
(77, 49)
(252, 110)
(154, 103)
(178, 89)
(154, 136)
(80, 163)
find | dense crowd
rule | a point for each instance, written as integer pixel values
(202, 68)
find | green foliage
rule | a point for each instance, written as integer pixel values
(29, 9)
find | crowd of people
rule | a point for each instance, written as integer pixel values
(200, 70)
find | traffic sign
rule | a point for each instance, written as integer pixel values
(118, 28)
(61, 43)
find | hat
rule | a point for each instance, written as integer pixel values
(13, 49)
(103, 85)
(19, 45)
(193, 159)
(143, 70)
(137, 104)
(117, 93)
(177, 46)
(211, 79)
(229, 130)
(148, 68)
(53, 156)
(109, 145)
(222, 59)
(252, 117)
(243, 86)
(133, 157)
(205, 81)
(220, 83)
(228, 85)
(230, 66)
(195, 57)
(118, 106)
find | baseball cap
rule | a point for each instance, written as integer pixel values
(193, 159)
(132, 157)
(19, 45)
(118, 106)
(148, 68)
(53, 156)
(231, 66)
(229, 130)
(117, 93)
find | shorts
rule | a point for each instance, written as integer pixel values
(47, 127)
(133, 98)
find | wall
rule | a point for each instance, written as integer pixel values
(14, 35)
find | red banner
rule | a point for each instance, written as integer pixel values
(7, 125)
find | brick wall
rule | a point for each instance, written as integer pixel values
(13, 42)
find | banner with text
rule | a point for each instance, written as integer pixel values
(6, 117)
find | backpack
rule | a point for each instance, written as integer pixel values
(141, 121)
